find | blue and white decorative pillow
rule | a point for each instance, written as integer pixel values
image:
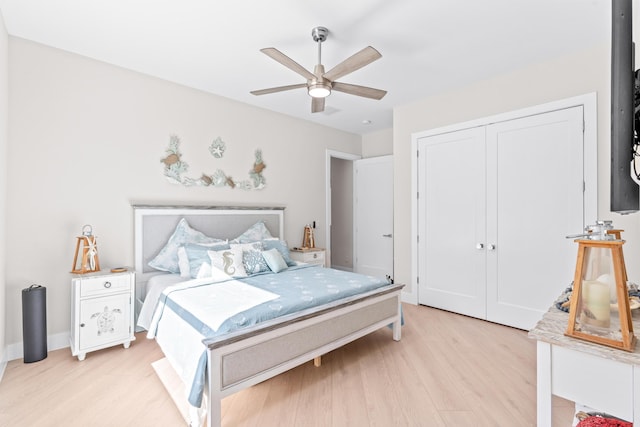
(274, 260)
(255, 233)
(167, 258)
(281, 246)
(192, 257)
(252, 258)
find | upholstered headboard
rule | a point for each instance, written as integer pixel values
(154, 225)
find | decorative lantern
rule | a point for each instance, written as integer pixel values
(87, 246)
(308, 240)
(599, 310)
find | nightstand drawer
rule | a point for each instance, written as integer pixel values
(310, 256)
(103, 285)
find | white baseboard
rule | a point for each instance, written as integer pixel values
(54, 342)
(339, 267)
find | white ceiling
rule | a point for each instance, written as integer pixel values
(427, 46)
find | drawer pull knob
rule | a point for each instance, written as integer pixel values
(107, 285)
(82, 325)
(315, 255)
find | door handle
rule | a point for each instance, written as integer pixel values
(492, 247)
(387, 235)
(479, 246)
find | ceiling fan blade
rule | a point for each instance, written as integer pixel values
(317, 105)
(278, 89)
(353, 63)
(274, 53)
(367, 92)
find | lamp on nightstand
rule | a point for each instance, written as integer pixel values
(87, 250)
(600, 310)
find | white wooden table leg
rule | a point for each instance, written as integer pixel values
(544, 389)
(636, 393)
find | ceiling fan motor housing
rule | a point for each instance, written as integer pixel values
(319, 34)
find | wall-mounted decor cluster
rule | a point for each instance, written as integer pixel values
(175, 168)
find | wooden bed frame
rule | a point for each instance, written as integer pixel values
(244, 358)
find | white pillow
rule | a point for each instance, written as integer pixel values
(274, 260)
(204, 271)
(167, 258)
(229, 261)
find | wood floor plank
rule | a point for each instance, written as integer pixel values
(449, 370)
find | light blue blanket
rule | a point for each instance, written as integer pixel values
(297, 288)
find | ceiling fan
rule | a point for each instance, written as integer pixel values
(320, 83)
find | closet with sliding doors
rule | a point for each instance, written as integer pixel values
(495, 203)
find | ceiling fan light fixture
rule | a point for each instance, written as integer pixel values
(319, 90)
(320, 84)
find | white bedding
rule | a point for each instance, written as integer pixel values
(183, 346)
(212, 305)
(154, 288)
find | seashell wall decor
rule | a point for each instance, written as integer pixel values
(175, 168)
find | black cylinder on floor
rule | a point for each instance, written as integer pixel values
(34, 323)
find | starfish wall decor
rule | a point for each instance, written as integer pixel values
(175, 168)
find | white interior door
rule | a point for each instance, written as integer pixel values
(373, 216)
(534, 199)
(452, 217)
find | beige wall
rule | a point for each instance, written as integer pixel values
(4, 137)
(375, 144)
(86, 139)
(582, 73)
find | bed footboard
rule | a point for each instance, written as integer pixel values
(241, 361)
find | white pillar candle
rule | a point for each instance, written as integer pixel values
(595, 297)
(611, 282)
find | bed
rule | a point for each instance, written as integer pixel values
(224, 359)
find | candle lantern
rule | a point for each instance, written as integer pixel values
(86, 259)
(599, 310)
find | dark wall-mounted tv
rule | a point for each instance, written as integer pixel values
(625, 191)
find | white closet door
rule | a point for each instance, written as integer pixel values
(534, 199)
(452, 222)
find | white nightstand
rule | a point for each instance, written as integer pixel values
(310, 256)
(101, 311)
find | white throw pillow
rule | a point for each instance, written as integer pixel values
(229, 261)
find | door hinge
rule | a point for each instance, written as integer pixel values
(418, 280)
(584, 126)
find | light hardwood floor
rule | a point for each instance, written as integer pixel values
(448, 370)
